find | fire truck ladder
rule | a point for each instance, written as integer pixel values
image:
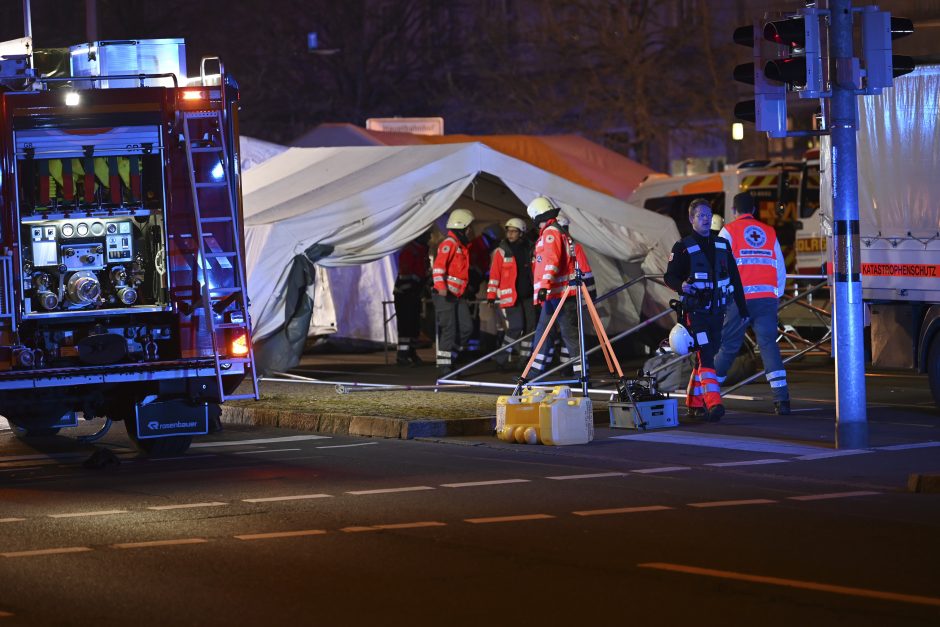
(218, 297)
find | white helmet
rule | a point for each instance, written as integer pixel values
(515, 223)
(459, 219)
(717, 222)
(680, 340)
(539, 206)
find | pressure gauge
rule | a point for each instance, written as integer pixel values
(97, 228)
(82, 229)
(68, 230)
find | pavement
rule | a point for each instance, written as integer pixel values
(901, 411)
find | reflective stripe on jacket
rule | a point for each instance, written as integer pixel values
(451, 266)
(758, 257)
(705, 276)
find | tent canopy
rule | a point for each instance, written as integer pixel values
(368, 202)
(572, 157)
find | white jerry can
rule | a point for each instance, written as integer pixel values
(565, 420)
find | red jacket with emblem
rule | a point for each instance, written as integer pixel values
(451, 266)
(758, 256)
(553, 267)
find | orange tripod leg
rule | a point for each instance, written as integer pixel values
(601, 333)
(538, 347)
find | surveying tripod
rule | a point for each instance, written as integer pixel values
(583, 298)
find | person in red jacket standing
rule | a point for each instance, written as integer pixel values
(552, 270)
(510, 287)
(409, 284)
(763, 272)
(451, 274)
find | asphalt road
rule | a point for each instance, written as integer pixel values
(267, 526)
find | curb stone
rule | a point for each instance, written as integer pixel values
(367, 426)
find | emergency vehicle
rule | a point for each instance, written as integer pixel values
(786, 194)
(122, 277)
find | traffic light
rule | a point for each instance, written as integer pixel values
(799, 65)
(768, 110)
(878, 31)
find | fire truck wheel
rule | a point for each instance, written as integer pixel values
(933, 368)
(158, 447)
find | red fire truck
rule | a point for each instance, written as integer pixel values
(122, 278)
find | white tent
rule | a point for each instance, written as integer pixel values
(367, 202)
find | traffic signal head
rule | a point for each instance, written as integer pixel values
(878, 31)
(799, 65)
(768, 110)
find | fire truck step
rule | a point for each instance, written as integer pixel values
(236, 360)
(219, 219)
(224, 290)
(206, 149)
(210, 255)
(211, 184)
(239, 397)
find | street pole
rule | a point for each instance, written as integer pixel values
(851, 419)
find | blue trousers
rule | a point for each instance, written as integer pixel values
(763, 313)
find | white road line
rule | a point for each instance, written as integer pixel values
(753, 462)
(653, 471)
(621, 510)
(732, 503)
(500, 519)
(598, 475)
(266, 450)
(144, 545)
(473, 484)
(9, 520)
(905, 447)
(808, 409)
(347, 445)
(60, 551)
(758, 445)
(416, 488)
(293, 497)
(289, 438)
(161, 508)
(106, 512)
(281, 534)
(832, 495)
(830, 454)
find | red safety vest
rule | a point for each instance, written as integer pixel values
(554, 265)
(451, 266)
(502, 285)
(753, 247)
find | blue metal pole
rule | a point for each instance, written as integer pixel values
(851, 419)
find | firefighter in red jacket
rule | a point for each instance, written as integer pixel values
(510, 287)
(552, 269)
(451, 274)
(409, 285)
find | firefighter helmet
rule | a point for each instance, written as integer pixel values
(562, 220)
(515, 223)
(539, 206)
(459, 219)
(717, 222)
(680, 340)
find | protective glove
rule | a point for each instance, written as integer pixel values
(542, 296)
